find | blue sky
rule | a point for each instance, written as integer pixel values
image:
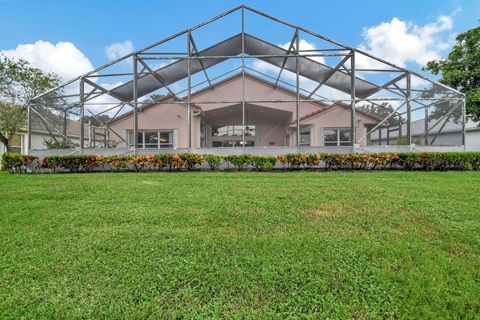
(98, 30)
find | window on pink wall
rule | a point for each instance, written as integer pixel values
(152, 139)
(337, 137)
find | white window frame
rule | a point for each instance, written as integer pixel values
(159, 144)
(232, 138)
(338, 137)
(304, 130)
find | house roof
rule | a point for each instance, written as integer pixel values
(169, 97)
(264, 81)
(155, 103)
(336, 104)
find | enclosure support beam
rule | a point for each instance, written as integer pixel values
(29, 129)
(426, 126)
(194, 45)
(297, 103)
(47, 125)
(65, 118)
(409, 110)
(158, 78)
(189, 94)
(90, 132)
(464, 125)
(400, 127)
(243, 78)
(328, 76)
(135, 105)
(441, 128)
(290, 47)
(82, 114)
(353, 116)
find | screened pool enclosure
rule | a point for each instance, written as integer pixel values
(247, 82)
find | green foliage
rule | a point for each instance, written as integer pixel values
(382, 111)
(191, 160)
(296, 245)
(12, 120)
(19, 84)
(18, 163)
(428, 161)
(213, 160)
(263, 163)
(295, 160)
(461, 69)
(402, 141)
(59, 144)
(239, 161)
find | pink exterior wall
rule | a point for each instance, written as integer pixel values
(255, 90)
(335, 117)
(161, 117)
(272, 125)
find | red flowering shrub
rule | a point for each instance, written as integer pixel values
(18, 163)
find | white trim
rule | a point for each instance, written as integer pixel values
(159, 146)
(338, 135)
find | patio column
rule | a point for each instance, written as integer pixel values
(29, 129)
(65, 117)
(82, 114)
(135, 105)
(189, 94)
(243, 77)
(426, 126)
(297, 102)
(353, 116)
(409, 110)
(464, 125)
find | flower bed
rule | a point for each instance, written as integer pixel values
(19, 163)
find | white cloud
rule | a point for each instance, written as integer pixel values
(303, 44)
(62, 58)
(305, 83)
(402, 42)
(118, 49)
(99, 103)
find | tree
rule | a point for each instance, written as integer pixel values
(461, 69)
(19, 84)
(382, 111)
(12, 119)
(97, 121)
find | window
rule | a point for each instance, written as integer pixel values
(233, 131)
(305, 137)
(228, 136)
(16, 143)
(337, 137)
(152, 139)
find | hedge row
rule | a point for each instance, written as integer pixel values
(19, 163)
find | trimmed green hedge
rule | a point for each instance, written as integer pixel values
(18, 163)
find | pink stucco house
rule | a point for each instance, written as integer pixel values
(217, 125)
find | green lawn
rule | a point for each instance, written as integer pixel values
(240, 245)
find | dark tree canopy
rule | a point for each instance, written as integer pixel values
(461, 69)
